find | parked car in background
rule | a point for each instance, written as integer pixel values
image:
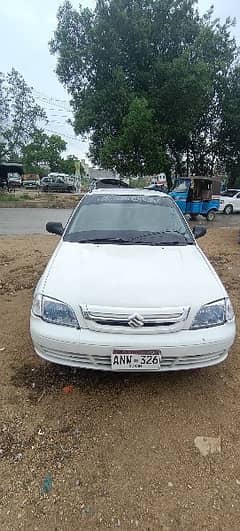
(108, 183)
(230, 201)
(31, 184)
(45, 180)
(51, 184)
(128, 289)
(14, 181)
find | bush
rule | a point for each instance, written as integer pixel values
(8, 196)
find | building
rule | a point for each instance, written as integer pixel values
(97, 173)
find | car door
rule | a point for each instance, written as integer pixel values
(236, 206)
(45, 182)
(61, 185)
(57, 185)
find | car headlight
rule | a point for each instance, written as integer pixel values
(213, 314)
(54, 311)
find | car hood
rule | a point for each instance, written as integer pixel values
(130, 276)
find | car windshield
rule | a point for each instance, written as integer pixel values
(229, 193)
(128, 219)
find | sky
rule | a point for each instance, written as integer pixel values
(26, 26)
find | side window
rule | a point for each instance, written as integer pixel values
(238, 196)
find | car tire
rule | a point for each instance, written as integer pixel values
(211, 215)
(228, 210)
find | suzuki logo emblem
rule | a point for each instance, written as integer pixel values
(136, 320)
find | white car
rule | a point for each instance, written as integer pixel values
(230, 201)
(128, 289)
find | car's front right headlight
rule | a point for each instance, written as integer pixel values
(54, 311)
(213, 314)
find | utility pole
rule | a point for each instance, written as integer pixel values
(188, 162)
(78, 175)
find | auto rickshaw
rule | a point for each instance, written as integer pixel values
(198, 196)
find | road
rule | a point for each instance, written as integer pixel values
(33, 220)
(30, 220)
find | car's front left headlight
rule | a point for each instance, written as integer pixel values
(213, 314)
(54, 311)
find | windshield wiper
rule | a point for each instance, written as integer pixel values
(138, 241)
(174, 233)
(165, 237)
(100, 240)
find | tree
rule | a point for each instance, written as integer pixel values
(43, 150)
(147, 81)
(68, 165)
(4, 109)
(55, 147)
(220, 55)
(137, 148)
(20, 115)
(229, 144)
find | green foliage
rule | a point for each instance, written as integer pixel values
(19, 114)
(147, 81)
(4, 110)
(43, 150)
(229, 144)
(20, 136)
(6, 196)
(137, 148)
(25, 197)
(68, 165)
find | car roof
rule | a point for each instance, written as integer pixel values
(127, 191)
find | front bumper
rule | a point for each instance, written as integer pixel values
(84, 348)
(221, 207)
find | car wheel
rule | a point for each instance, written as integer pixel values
(211, 215)
(228, 210)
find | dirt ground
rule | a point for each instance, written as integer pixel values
(21, 198)
(118, 451)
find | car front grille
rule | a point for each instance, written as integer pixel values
(135, 321)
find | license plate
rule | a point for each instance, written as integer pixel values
(136, 360)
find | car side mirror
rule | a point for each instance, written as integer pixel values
(199, 231)
(54, 227)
